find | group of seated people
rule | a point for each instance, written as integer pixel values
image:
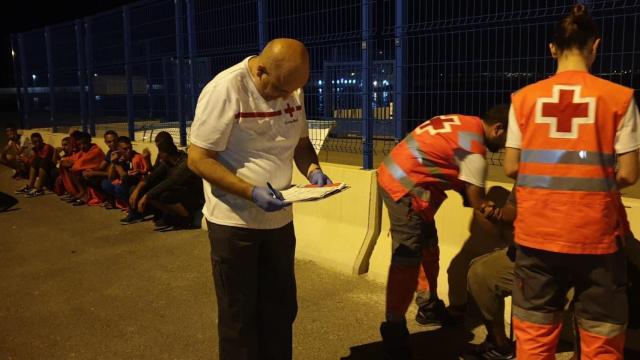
(81, 173)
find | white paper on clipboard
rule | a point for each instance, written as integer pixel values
(311, 192)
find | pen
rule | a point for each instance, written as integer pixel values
(276, 194)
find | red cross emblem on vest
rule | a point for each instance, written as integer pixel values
(438, 125)
(289, 110)
(565, 111)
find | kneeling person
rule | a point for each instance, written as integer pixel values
(171, 188)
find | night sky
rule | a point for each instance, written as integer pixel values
(26, 15)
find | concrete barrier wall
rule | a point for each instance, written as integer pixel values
(334, 232)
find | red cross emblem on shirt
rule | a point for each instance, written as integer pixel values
(565, 111)
(289, 110)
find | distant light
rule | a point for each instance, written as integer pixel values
(385, 82)
(95, 75)
(353, 74)
(333, 81)
(34, 77)
(375, 83)
(319, 82)
(13, 53)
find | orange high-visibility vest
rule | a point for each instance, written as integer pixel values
(566, 187)
(425, 163)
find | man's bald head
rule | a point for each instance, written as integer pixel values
(285, 62)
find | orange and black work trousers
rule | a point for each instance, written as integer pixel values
(415, 248)
(253, 273)
(541, 282)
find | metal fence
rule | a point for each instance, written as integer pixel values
(379, 67)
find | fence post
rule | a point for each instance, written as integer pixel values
(17, 80)
(263, 34)
(127, 69)
(88, 52)
(22, 56)
(81, 74)
(147, 55)
(400, 70)
(367, 61)
(165, 86)
(179, 55)
(191, 41)
(50, 79)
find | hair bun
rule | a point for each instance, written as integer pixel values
(579, 10)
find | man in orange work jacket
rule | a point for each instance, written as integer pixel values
(444, 153)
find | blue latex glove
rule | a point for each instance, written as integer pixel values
(317, 177)
(267, 199)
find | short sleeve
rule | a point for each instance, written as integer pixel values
(627, 135)
(514, 135)
(304, 126)
(473, 170)
(215, 116)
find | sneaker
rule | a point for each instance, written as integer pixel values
(132, 218)
(23, 190)
(488, 350)
(34, 193)
(395, 341)
(433, 313)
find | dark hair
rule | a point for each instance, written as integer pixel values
(84, 136)
(576, 30)
(111, 132)
(76, 135)
(67, 138)
(168, 147)
(497, 114)
(163, 136)
(36, 135)
(124, 139)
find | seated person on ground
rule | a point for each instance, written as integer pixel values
(172, 188)
(62, 153)
(90, 157)
(490, 280)
(127, 169)
(160, 137)
(16, 152)
(99, 174)
(68, 192)
(41, 164)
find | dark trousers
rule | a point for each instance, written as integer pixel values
(253, 273)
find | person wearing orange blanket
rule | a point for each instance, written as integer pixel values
(69, 192)
(89, 158)
(572, 145)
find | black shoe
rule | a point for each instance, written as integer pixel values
(132, 218)
(489, 351)
(433, 313)
(395, 341)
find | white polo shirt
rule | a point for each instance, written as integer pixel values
(254, 138)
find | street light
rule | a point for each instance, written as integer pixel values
(34, 79)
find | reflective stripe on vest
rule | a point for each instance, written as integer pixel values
(398, 173)
(566, 183)
(404, 180)
(581, 157)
